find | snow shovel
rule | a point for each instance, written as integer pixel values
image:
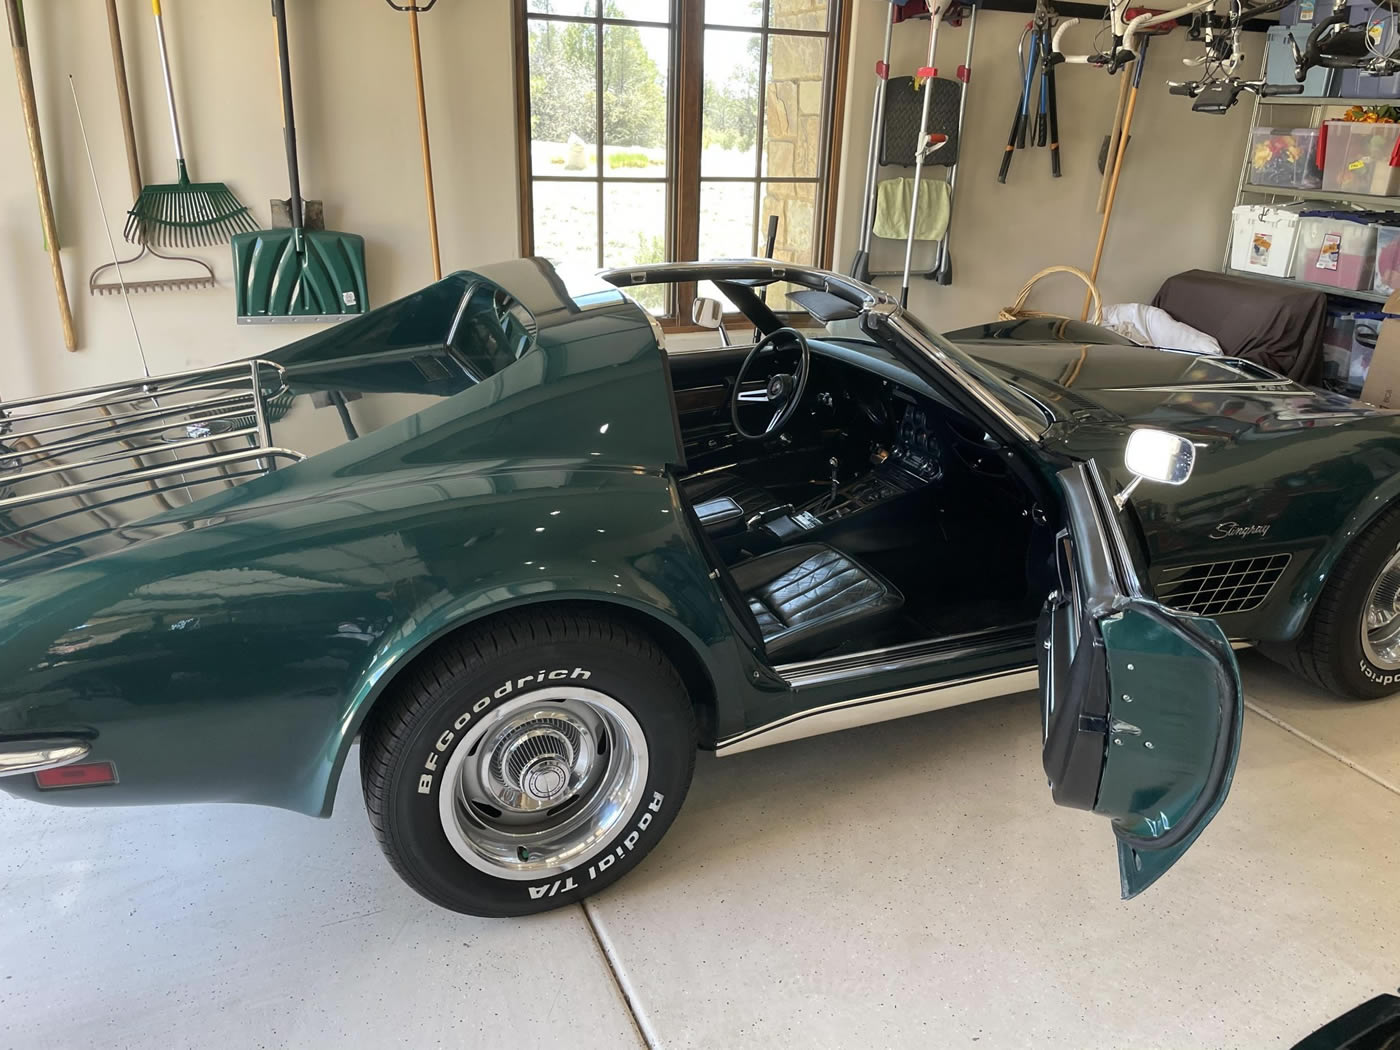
(297, 273)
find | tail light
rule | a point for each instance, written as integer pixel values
(82, 774)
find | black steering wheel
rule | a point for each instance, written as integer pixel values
(784, 389)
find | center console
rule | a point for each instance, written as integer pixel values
(911, 465)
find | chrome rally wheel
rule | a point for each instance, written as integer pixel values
(528, 763)
(543, 783)
(1380, 619)
(1350, 643)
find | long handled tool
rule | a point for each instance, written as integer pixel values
(123, 285)
(943, 269)
(296, 273)
(1017, 139)
(183, 212)
(19, 47)
(1117, 170)
(413, 12)
(1110, 141)
(1045, 131)
(926, 144)
(860, 265)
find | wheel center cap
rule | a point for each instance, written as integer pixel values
(545, 780)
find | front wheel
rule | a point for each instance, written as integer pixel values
(1351, 644)
(525, 766)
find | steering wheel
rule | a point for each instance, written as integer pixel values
(784, 389)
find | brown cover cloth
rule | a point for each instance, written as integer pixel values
(1278, 326)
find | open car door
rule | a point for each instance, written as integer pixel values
(1141, 706)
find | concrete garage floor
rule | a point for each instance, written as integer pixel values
(902, 885)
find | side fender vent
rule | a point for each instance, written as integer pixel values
(1219, 588)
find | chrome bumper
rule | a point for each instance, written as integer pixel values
(30, 756)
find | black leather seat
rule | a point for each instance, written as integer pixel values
(808, 598)
(724, 502)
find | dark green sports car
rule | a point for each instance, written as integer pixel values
(532, 561)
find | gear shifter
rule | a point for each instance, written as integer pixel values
(835, 465)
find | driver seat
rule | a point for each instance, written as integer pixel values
(809, 598)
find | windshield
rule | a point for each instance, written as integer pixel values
(1027, 412)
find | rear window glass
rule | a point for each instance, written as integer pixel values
(491, 331)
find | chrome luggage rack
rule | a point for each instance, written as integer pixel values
(173, 438)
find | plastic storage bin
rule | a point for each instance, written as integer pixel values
(1365, 330)
(1361, 158)
(1285, 157)
(1387, 273)
(1336, 350)
(1335, 251)
(1355, 84)
(1278, 60)
(1262, 239)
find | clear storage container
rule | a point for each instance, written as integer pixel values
(1364, 334)
(1336, 350)
(1262, 239)
(1387, 274)
(1335, 251)
(1285, 157)
(1361, 158)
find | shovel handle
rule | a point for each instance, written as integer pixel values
(133, 164)
(415, 8)
(423, 135)
(19, 46)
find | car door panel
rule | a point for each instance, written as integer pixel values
(1141, 705)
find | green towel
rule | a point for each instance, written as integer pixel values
(892, 209)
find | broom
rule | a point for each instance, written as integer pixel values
(183, 213)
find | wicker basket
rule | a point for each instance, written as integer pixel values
(1017, 311)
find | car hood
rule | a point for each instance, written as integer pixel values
(1278, 466)
(1197, 395)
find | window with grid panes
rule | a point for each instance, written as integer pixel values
(672, 129)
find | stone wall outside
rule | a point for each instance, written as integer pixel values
(792, 126)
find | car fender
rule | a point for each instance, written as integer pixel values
(1311, 581)
(667, 581)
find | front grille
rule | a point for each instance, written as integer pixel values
(1221, 587)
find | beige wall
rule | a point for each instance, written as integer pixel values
(359, 149)
(357, 122)
(1173, 202)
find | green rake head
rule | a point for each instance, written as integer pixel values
(187, 214)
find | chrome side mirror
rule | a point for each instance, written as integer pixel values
(1156, 455)
(709, 313)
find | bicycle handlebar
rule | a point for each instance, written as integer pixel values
(1265, 90)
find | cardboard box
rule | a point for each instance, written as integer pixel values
(1382, 386)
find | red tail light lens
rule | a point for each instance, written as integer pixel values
(81, 774)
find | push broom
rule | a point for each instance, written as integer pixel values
(183, 213)
(296, 273)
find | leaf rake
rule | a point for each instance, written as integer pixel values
(184, 213)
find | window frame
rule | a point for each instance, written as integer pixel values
(686, 22)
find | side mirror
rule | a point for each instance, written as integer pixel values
(709, 313)
(1156, 455)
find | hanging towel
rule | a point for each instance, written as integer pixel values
(892, 209)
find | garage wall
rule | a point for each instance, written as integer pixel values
(1174, 198)
(359, 150)
(358, 129)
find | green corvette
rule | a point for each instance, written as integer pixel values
(532, 561)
